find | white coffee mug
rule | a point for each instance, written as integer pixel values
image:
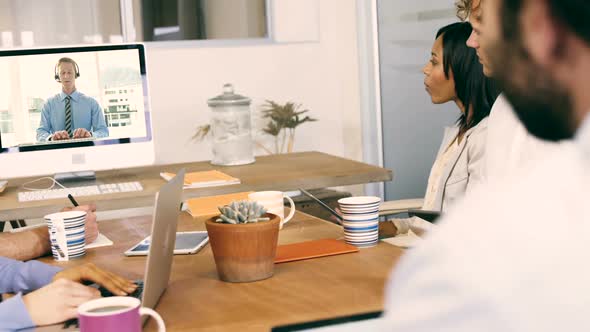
(273, 203)
(67, 234)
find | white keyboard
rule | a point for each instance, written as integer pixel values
(38, 195)
(63, 141)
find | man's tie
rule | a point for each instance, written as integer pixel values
(68, 127)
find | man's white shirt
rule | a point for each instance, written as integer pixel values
(511, 257)
(509, 147)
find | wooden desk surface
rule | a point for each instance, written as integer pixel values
(196, 300)
(308, 170)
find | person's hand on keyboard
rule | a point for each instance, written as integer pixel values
(57, 301)
(81, 133)
(91, 273)
(60, 135)
(91, 230)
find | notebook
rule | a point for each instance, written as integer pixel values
(101, 241)
(312, 249)
(207, 206)
(408, 240)
(204, 179)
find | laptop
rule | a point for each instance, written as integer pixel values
(159, 261)
(161, 252)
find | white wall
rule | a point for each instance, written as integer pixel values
(321, 75)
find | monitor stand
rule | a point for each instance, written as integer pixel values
(76, 179)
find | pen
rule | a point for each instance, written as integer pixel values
(73, 200)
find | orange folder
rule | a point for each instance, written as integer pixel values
(204, 179)
(207, 206)
(312, 249)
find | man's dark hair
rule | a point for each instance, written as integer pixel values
(473, 88)
(572, 14)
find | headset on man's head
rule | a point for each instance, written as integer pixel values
(66, 60)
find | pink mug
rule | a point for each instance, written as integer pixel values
(116, 313)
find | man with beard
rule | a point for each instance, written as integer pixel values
(512, 256)
(509, 147)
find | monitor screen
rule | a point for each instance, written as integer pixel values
(79, 99)
(107, 93)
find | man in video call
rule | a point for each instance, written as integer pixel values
(70, 114)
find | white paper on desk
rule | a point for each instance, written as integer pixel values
(101, 241)
(404, 240)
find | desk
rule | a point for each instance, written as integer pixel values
(196, 300)
(308, 170)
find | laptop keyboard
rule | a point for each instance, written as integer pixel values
(136, 294)
(106, 293)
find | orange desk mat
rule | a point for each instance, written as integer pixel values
(312, 249)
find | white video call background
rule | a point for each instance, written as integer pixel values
(28, 77)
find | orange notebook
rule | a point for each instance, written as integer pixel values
(312, 249)
(207, 206)
(204, 179)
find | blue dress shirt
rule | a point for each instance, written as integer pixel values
(86, 113)
(18, 277)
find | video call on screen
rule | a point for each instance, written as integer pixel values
(111, 77)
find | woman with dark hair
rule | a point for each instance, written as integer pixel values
(455, 74)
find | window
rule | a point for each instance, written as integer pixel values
(204, 19)
(27, 23)
(57, 22)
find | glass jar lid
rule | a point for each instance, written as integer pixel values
(228, 98)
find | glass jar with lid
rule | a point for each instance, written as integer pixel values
(231, 128)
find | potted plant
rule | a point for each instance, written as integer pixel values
(244, 239)
(283, 120)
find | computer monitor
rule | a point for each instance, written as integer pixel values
(106, 120)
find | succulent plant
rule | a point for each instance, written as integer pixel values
(241, 212)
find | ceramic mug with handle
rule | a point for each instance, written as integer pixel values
(273, 203)
(116, 313)
(67, 232)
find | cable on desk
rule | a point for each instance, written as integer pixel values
(54, 182)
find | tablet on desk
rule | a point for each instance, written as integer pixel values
(186, 243)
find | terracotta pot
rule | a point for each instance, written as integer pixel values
(244, 252)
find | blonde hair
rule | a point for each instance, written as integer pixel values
(66, 60)
(463, 8)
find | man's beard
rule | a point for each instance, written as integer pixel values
(540, 102)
